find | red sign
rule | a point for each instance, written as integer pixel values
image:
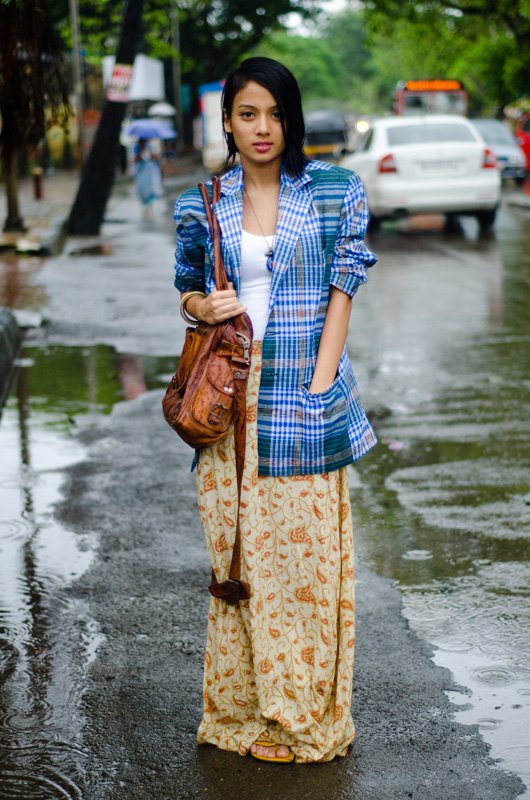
(120, 81)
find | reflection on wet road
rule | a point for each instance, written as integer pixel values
(47, 637)
(443, 504)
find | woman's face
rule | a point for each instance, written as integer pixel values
(255, 124)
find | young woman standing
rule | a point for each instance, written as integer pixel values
(279, 667)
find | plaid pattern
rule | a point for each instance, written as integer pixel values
(321, 225)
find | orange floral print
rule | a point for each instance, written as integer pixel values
(280, 665)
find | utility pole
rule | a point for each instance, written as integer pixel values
(78, 77)
(177, 80)
(88, 211)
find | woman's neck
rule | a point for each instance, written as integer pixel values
(261, 177)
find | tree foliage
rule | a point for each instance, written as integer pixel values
(316, 66)
(388, 41)
(32, 84)
(488, 41)
(214, 35)
(32, 72)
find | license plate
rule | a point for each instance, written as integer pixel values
(440, 166)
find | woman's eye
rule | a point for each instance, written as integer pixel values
(277, 115)
(246, 114)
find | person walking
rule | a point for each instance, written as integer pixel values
(147, 176)
(278, 667)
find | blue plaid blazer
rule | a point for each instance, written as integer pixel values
(319, 243)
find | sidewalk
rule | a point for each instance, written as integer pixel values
(45, 219)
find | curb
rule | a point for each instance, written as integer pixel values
(47, 241)
(10, 341)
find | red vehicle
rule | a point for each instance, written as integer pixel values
(436, 96)
(522, 132)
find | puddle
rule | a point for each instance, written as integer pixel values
(42, 671)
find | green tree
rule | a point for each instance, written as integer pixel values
(214, 36)
(346, 35)
(32, 84)
(315, 65)
(492, 37)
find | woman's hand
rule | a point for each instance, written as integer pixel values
(215, 307)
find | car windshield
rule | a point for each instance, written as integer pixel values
(493, 131)
(429, 133)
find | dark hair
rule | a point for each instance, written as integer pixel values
(281, 83)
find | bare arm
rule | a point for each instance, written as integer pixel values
(215, 307)
(332, 340)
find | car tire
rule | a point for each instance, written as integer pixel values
(452, 223)
(519, 182)
(374, 224)
(486, 219)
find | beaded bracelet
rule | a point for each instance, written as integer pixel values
(182, 307)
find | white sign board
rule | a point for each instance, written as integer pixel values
(147, 78)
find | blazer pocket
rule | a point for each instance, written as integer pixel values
(324, 424)
(324, 397)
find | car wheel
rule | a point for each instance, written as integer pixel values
(519, 181)
(486, 219)
(452, 223)
(374, 224)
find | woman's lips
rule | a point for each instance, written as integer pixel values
(262, 147)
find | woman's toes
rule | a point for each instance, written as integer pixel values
(276, 751)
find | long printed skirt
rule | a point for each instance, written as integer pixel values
(280, 665)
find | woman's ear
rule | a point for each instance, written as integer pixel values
(226, 122)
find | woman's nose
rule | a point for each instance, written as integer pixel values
(263, 123)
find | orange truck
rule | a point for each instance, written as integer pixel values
(430, 96)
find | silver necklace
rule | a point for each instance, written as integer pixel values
(269, 253)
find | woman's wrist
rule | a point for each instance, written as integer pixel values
(194, 305)
(190, 306)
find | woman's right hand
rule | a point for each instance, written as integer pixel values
(215, 307)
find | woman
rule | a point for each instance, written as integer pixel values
(279, 667)
(147, 176)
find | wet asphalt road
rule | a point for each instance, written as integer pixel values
(102, 683)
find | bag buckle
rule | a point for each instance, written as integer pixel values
(244, 341)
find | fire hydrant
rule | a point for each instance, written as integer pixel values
(38, 183)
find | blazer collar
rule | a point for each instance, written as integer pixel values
(294, 203)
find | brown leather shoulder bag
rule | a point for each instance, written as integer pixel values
(207, 394)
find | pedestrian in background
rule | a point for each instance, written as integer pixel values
(147, 176)
(279, 666)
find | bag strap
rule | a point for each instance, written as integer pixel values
(221, 281)
(233, 589)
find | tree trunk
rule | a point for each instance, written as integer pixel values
(88, 211)
(14, 221)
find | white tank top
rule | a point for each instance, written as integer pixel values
(255, 282)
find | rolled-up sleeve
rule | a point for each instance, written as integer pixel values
(189, 252)
(351, 257)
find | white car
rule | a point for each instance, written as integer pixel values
(431, 164)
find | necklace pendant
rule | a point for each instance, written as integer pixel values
(269, 253)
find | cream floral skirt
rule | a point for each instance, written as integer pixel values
(280, 665)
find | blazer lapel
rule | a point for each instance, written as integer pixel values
(294, 203)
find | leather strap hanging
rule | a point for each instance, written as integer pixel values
(233, 589)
